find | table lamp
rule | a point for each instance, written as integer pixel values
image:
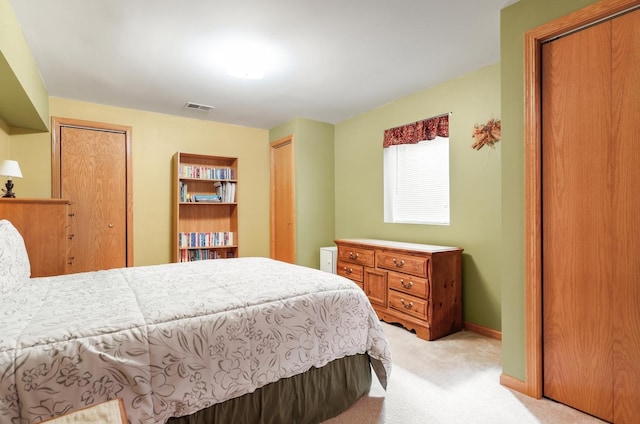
(11, 169)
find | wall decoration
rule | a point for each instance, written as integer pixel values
(486, 134)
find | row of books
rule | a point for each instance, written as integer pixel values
(202, 254)
(213, 239)
(224, 192)
(205, 172)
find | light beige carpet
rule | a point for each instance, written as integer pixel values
(449, 381)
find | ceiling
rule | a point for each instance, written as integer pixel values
(332, 59)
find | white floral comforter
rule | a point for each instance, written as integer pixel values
(173, 339)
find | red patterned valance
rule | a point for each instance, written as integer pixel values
(426, 129)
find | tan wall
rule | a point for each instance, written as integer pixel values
(4, 141)
(155, 138)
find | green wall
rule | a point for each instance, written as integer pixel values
(474, 180)
(314, 191)
(514, 22)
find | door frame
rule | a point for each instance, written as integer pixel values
(56, 184)
(533, 384)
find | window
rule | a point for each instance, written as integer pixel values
(416, 173)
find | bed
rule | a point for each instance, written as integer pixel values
(235, 340)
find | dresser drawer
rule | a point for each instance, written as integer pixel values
(356, 254)
(409, 284)
(414, 265)
(408, 304)
(351, 271)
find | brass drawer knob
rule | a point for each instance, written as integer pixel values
(398, 264)
(348, 270)
(406, 305)
(353, 255)
(406, 285)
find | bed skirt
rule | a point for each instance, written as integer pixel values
(308, 398)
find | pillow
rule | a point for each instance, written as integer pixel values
(15, 268)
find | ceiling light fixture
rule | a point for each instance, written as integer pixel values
(248, 60)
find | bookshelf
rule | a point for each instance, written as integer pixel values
(205, 207)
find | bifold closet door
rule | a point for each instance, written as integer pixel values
(590, 195)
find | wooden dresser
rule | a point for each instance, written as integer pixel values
(416, 285)
(45, 227)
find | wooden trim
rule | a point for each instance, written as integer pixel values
(35, 201)
(513, 383)
(532, 224)
(56, 124)
(128, 134)
(55, 159)
(482, 330)
(533, 40)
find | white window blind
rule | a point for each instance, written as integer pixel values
(416, 182)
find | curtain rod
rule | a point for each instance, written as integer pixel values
(425, 119)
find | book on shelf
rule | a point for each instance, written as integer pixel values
(232, 192)
(183, 192)
(226, 190)
(206, 198)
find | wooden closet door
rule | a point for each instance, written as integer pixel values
(578, 166)
(626, 227)
(591, 233)
(93, 177)
(283, 213)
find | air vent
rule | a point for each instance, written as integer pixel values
(197, 106)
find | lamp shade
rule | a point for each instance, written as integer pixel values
(10, 168)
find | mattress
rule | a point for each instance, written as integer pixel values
(174, 339)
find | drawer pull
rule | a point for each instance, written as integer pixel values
(398, 264)
(406, 285)
(406, 305)
(348, 270)
(353, 255)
